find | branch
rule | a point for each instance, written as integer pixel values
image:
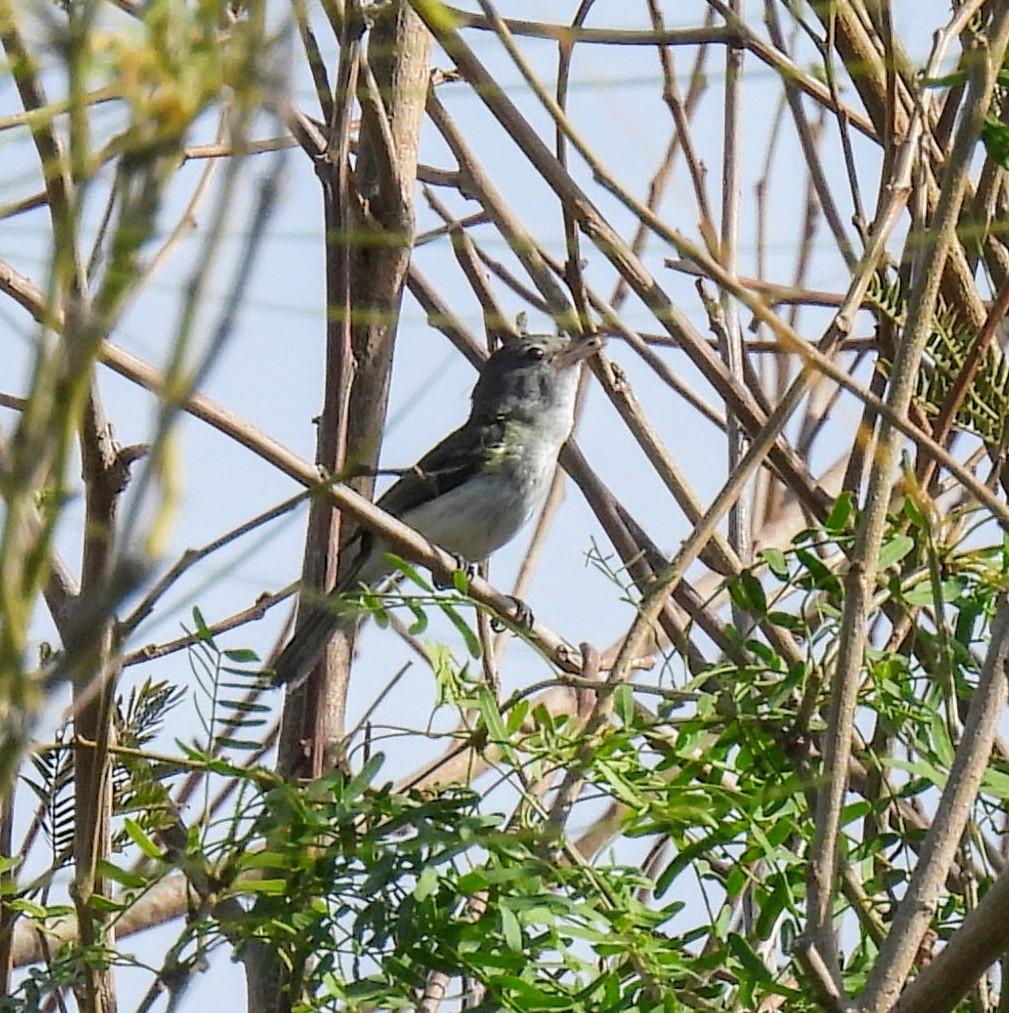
(919, 903)
(934, 247)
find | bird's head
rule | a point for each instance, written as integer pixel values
(530, 376)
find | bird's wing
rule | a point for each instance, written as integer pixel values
(442, 469)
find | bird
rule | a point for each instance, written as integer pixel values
(473, 491)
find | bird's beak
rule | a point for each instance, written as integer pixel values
(579, 350)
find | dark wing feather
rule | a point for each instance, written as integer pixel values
(442, 469)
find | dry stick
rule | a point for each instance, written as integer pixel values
(572, 273)
(192, 556)
(403, 539)
(738, 33)
(984, 935)
(306, 711)
(600, 36)
(730, 335)
(524, 292)
(770, 496)
(846, 146)
(775, 295)
(740, 516)
(886, 220)
(507, 223)
(916, 908)
(105, 475)
(809, 152)
(612, 246)
(890, 59)
(496, 323)
(861, 577)
(682, 110)
(822, 401)
(441, 317)
(439, 231)
(316, 63)
(779, 364)
(253, 613)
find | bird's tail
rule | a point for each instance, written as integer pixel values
(311, 637)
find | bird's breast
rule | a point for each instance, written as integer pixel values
(487, 510)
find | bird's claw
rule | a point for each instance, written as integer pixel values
(523, 617)
(461, 563)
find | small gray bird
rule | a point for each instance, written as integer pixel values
(473, 492)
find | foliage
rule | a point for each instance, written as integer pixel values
(641, 828)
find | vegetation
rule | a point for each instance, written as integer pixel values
(784, 784)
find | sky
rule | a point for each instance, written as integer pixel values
(270, 373)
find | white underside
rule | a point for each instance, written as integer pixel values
(482, 514)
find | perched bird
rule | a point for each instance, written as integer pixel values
(473, 492)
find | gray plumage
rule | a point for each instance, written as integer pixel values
(472, 492)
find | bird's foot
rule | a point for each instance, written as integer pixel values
(523, 617)
(461, 563)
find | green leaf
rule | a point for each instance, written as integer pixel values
(227, 742)
(270, 887)
(995, 135)
(516, 716)
(822, 576)
(913, 513)
(492, 717)
(748, 593)
(242, 656)
(420, 623)
(950, 590)
(623, 698)
(124, 877)
(996, 782)
(105, 904)
(837, 519)
(775, 561)
(141, 840)
(427, 883)
(530, 996)
(894, 550)
(744, 953)
(945, 80)
(202, 629)
(510, 928)
(471, 640)
(409, 571)
(362, 780)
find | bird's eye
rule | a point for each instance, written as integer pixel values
(534, 353)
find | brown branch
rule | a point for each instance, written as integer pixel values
(915, 910)
(860, 581)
